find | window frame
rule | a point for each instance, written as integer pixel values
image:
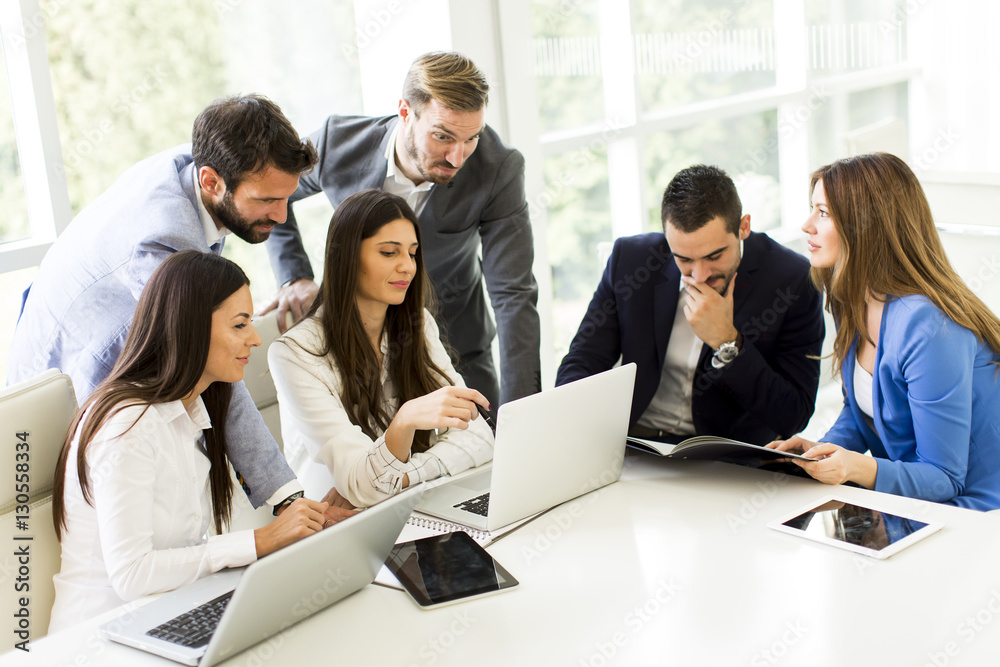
(36, 131)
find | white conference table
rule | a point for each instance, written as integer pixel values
(672, 565)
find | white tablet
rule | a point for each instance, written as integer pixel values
(865, 530)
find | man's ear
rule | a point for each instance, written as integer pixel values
(405, 111)
(744, 227)
(211, 182)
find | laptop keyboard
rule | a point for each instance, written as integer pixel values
(479, 505)
(193, 628)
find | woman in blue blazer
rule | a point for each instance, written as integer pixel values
(916, 348)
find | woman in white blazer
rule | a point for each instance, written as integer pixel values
(369, 399)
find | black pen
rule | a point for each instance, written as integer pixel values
(486, 416)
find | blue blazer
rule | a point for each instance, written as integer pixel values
(768, 391)
(936, 405)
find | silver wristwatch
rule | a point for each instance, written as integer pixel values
(726, 353)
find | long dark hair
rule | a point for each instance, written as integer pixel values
(888, 245)
(163, 359)
(411, 369)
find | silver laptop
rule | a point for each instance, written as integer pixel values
(550, 447)
(271, 594)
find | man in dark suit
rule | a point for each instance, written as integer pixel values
(467, 189)
(724, 324)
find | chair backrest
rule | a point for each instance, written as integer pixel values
(35, 415)
(257, 376)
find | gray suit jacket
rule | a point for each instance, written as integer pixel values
(78, 311)
(484, 204)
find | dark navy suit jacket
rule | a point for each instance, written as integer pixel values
(767, 392)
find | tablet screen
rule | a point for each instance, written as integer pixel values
(853, 524)
(444, 568)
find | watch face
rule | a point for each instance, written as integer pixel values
(727, 352)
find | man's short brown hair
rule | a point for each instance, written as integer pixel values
(240, 136)
(450, 78)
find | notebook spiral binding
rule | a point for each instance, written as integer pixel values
(438, 526)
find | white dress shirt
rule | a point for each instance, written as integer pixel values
(398, 184)
(670, 408)
(147, 531)
(212, 232)
(325, 449)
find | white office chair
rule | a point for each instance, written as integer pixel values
(257, 378)
(37, 411)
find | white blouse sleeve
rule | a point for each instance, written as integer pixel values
(123, 470)
(455, 449)
(364, 470)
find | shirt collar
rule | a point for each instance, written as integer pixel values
(212, 232)
(195, 416)
(393, 172)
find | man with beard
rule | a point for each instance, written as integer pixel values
(724, 324)
(244, 162)
(467, 189)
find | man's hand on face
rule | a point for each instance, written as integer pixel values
(709, 313)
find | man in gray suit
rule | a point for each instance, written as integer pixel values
(236, 176)
(467, 189)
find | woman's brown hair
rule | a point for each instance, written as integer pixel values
(162, 360)
(411, 368)
(888, 246)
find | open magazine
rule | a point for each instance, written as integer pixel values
(714, 448)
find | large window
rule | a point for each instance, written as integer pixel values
(130, 77)
(14, 221)
(127, 80)
(630, 92)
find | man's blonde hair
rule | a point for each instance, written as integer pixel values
(450, 78)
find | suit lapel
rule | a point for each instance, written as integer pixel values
(371, 174)
(665, 308)
(744, 277)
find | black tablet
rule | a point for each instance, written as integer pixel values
(449, 568)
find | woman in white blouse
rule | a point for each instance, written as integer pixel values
(370, 402)
(144, 468)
